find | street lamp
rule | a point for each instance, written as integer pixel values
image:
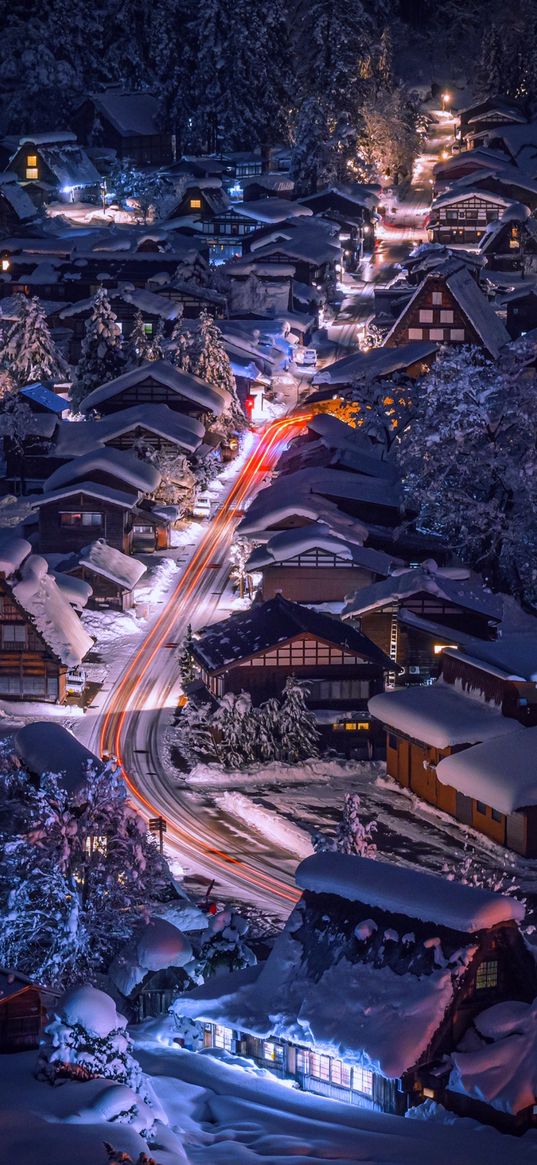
(445, 99)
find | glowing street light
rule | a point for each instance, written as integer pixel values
(445, 99)
(5, 263)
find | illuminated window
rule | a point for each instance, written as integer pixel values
(440, 647)
(223, 1037)
(341, 1074)
(446, 317)
(96, 844)
(195, 203)
(514, 241)
(148, 329)
(436, 333)
(68, 518)
(31, 160)
(315, 1065)
(32, 173)
(362, 1081)
(426, 316)
(272, 1052)
(415, 333)
(437, 298)
(487, 975)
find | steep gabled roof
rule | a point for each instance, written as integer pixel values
(124, 467)
(132, 114)
(76, 438)
(290, 543)
(185, 384)
(92, 489)
(273, 623)
(376, 363)
(473, 304)
(465, 592)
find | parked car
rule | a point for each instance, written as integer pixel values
(306, 357)
(75, 682)
(202, 507)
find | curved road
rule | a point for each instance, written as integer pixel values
(131, 723)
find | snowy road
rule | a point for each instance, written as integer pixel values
(131, 723)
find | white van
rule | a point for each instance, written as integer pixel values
(202, 507)
(307, 357)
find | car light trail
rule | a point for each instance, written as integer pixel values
(128, 697)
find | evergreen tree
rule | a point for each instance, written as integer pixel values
(298, 730)
(353, 836)
(187, 663)
(239, 554)
(211, 363)
(101, 355)
(491, 68)
(74, 876)
(179, 348)
(267, 731)
(29, 352)
(337, 64)
(195, 740)
(138, 344)
(312, 165)
(235, 725)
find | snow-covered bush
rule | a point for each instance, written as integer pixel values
(224, 947)
(87, 1038)
(190, 1031)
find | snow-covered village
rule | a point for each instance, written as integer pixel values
(268, 582)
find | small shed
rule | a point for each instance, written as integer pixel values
(23, 1011)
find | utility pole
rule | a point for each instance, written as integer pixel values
(158, 825)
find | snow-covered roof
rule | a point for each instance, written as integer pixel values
(278, 183)
(185, 384)
(500, 773)
(132, 114)
(275, 622)
(496, 1061)
(76, 591)
(48, 138)
(13, 551)
(46, 747)
(440, 715)
(18, 199)
(39, 595)
(152, 304)
(461, 191)
(279, 507)
(413, 893)
(70, 165)
(290, 543)
(270, 210)
(105, 560)
(78, 437)
(375, 363)
(92, 489)
(514, 656)
(123, 467)
(453, 587)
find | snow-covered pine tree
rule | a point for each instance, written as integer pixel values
(239, 554)
(86, 1038)
(74, 877)
(156, 342)
(138, 344)
(195, 740)
(235, 725)
(101, 355)
(211, 363)
(491, 67)
(267, 731)
(29, 352)
(312, 165)
(353, 836)
(179, 347)
(298, 731)
(187, 663)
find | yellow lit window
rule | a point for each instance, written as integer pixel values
(440, 647)
(32, 173)
(429, 1093)
(31, 160)
(487, 975)
(363, 725)
(195, 203)
(96, 843)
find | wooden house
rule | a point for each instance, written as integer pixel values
(137, 429)
(353, 208)
(313, 565)
(510, 243)
(413, 615)
(413, 358)
(377, 976)
(223, 228)
(461, 215)
(57, 164)
(41, 637)
(449, 308)
(111, 574)
(126, 122)
(483, 695)
(84, 510)
(158, 383)
(24, 1007)
(490, 113)
(256, 649)
(521, 311)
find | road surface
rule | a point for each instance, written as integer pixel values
(130, 725)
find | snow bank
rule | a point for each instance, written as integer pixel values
(409, 892)
(501, 1072)
(269, 823)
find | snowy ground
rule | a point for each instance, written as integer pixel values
(223, 1114)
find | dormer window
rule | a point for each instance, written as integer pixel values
(195, 203)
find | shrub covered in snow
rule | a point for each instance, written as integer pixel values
(223, 948)
(87, 1038)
